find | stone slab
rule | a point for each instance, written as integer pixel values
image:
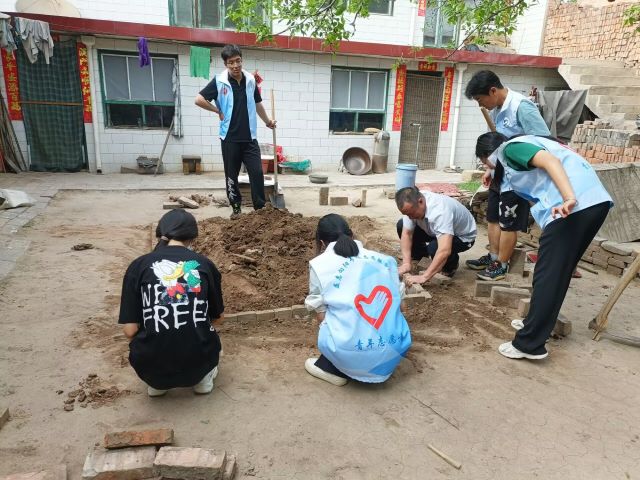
(134, 463)
(562, 327)
(183, 463)
(483, 288)
(283, 313)
(508, 297)
(338, 201)
(246, 316)
(231, 468)
(171, 205)
(187, 202)
(617, 248)
(265, 315)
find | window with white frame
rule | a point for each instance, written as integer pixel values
(203, 13)
(134, 96)
(358, 99)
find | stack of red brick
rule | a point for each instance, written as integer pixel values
(612, 256)
(598, 143)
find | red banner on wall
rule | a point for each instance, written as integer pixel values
(422, 6)
(10, 68)
(427, 67)
(398, 103)
(85, 82)
(446, 98)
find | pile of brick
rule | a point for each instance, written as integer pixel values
(612, 256)
(599, 143)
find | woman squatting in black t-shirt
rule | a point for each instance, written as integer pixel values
(171, 302)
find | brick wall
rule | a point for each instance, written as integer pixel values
(581, 31)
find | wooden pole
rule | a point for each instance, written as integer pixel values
(487, 118)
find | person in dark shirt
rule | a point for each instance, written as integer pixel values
(171, 302)
(237, 101)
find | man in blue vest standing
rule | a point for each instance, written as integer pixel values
(507, 213)
(237, 102)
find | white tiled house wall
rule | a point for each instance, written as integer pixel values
(529, 34)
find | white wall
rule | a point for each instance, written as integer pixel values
(529, 34)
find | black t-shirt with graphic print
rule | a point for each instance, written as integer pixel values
(173, 294)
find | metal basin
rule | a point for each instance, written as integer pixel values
(357, 161)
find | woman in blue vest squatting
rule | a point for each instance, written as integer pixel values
(171, 302)
(237, 103)
(356, 294)
(570, 205)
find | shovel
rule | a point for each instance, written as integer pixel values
(276, 199)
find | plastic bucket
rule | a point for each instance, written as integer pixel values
(405, 175)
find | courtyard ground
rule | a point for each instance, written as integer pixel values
(571, 416)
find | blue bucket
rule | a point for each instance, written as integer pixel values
(405, 175)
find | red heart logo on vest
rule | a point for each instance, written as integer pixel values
(380, 299)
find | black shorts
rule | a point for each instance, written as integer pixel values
(509, 210)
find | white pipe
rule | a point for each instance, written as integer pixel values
(412, 29)
(93, 72)
(461, 67)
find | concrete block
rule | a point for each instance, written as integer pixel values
(363, 198)
(562, 327)
(617, 263)
(171, 205)
(190, 463)
(483, 288)
(230, 469)
(246, 317)
(623, 258)
(472, 175)
(415, 288)
(283, 313)
(188, 203)
(299, 310)
(338, 201)
(231, 317)
(125, 464)
(265, 315)
(57, 472)
(614, 270)
(357, 203)
(523, 306)
(508, 297)
(439, 279)
(516, 264)
(139, 438)
(600, 260)
(617, 248)
(4, 416)
(324, 196)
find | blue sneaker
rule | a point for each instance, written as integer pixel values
(480, 264)
(493, 272)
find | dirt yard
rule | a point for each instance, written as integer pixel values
(572, 416)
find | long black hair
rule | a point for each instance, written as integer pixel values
(334, 228)
(176, 224)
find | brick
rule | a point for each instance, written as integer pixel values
(508, 297)
(171, 205)
(562, 327)
(357, 203)
(246, 316)
(617, 248)
(187, 202)
(439, 279)
(283, 313)
(597, 241)
(414, 299)
(299, 310)
(600, 260)
(125, 464)
(324, 196)
(483, 288)
(415, 288)
(265, 315)
(4, 416)
(523, 307)
(617, 263)
(516, 264)
(624, 258)
(58, 472)
(614, 270)
(338, 201)
(190, 463)
(138, 438)
(230, 469)
(231, 317)
(363, 198)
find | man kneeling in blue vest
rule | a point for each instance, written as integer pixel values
(237, 101)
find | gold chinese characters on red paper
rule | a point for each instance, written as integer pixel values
(10, 68)
(446, 98)
(85, 82)
(398, 103)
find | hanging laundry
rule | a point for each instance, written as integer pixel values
(6, 36)
(35, 37)
(143, 51)
(200, 60)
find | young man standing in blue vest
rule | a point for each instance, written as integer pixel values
(237, 102)
(507, 213)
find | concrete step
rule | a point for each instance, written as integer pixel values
(611, 72)
(601, 80)
(615, 91)
(588, 62)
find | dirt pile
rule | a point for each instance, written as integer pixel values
(92, 391)
(263, 256)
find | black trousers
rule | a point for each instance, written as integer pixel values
(234, 154)
(562, 244)
(424, 245)
(324, 364)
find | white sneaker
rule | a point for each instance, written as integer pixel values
(517, 324)
(310, 366)
(154, 392)
(206, 384)
(509, 351)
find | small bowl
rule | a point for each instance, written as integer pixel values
(318, 178)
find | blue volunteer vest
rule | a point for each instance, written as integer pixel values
(364, 333)
(506, 120)
(225, 102)
(536, 185)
